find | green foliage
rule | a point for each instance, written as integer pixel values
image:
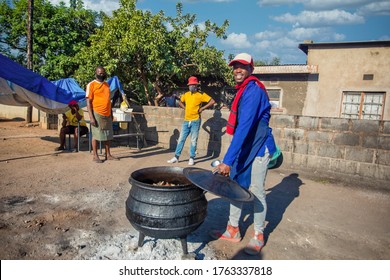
(59, 32)
(274, 61)
(151, 53)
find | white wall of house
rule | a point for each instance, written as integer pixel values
(12, 112)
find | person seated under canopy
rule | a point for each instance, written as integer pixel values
(70, 121)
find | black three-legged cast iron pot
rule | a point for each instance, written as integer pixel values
(164, 211)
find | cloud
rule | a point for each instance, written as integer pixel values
(263, 45)
(268, 35)
(201, 25)
(263, 3)
(320, 5)
(334, 4)
(283, 39)
(196, 1)
(380, 9)
(284, 48)
(168, 26)
(276, 45)
(315, 34)
(302, 33)
(238, 41)
(106, 6)
(267, 45)
(324, 18)
(338, 37)
(286, 42)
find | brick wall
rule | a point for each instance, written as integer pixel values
(353, 151)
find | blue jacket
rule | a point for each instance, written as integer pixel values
(252, 134)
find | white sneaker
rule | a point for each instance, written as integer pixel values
(191, 161)
(173, 160)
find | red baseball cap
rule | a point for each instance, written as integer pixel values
(72, 102)
(193, 81)
(243, 58)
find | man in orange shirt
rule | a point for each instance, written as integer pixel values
(191, 102)
(100, 113)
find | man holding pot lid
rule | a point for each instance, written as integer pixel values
(248, 155)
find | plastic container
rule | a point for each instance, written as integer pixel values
(122, 116)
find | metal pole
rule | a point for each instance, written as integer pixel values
(30, 49)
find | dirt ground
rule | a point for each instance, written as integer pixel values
(62, 205)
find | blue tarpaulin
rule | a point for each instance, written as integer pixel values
(20, 86)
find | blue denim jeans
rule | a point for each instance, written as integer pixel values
(188, 128)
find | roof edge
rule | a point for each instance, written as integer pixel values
(308, 44)
(286, 69)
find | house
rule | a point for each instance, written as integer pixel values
(344, 80)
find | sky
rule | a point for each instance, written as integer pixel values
(274, 28)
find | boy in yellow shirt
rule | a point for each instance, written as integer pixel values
(191, 102)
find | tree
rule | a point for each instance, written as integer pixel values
(59, 33)
(274, 61)
(152, 53)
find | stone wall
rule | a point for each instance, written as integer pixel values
(353, 151)
(50, 121)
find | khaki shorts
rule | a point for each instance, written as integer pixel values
(103, 131)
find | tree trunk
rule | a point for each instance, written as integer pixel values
(160, 94)
(144, 82)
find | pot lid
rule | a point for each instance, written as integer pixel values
(217, 184)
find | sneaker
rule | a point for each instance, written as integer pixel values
(191, 161)
(231, 234)
(173, 160)
(255, 245)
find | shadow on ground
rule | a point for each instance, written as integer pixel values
(279, 197)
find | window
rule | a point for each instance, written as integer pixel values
(274, 97)
(368, 77)
(363, 105)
